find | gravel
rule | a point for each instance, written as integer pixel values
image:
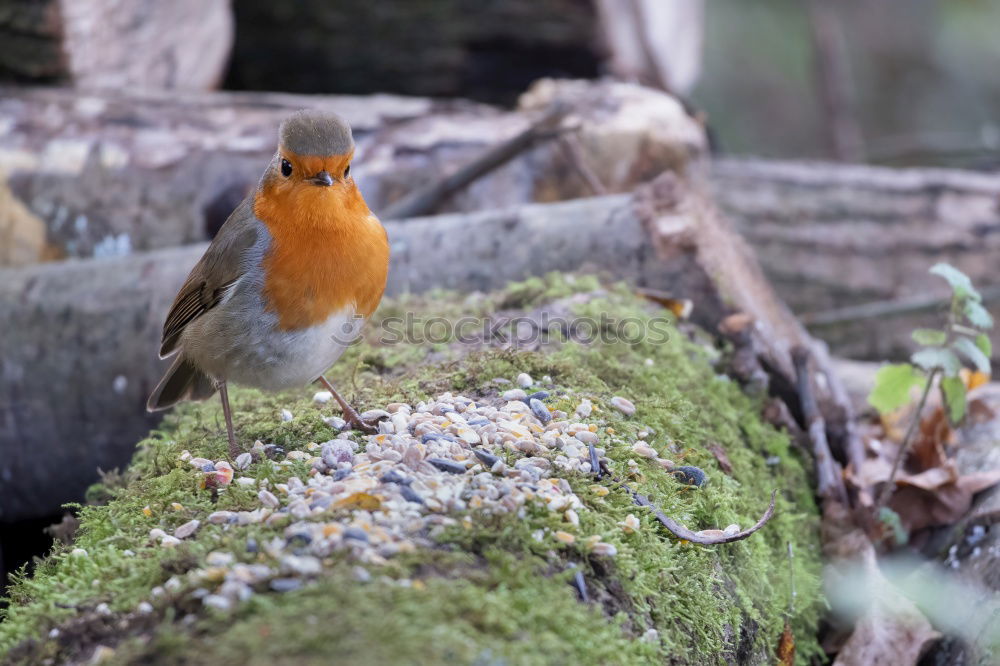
(434, 465)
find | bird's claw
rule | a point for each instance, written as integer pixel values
(355, 422)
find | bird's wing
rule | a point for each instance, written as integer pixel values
(217, 271)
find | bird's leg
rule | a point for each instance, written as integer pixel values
(234, 448)
(350, 414)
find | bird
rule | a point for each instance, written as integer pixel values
(286, 284)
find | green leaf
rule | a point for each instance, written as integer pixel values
(891, 519)
(967, 348)
(960, 283)
(977, 315)
(984, 344)
(929, 336)
(953, 396)
(937, 357)
(892, 386)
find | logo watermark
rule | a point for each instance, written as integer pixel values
(512, 332)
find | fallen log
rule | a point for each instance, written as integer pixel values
(77, 358)
(832, 237)
(108, 173)
(112, 172)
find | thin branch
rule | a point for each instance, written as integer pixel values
(701, 538)
(426, 200)
(580, 585)
(828, 474)
(791, 581)
(889, 308)
(886, 491)
(681, 532)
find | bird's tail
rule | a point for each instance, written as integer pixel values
(183, 381)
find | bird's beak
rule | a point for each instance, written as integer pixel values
(322, 178)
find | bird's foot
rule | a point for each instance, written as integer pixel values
(355, 422)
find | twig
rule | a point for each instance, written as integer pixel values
(828, 474)
(682, 532)
(595, 464)
(886, 491)
(791, 581)
(885, 309)
(844, 428)
(426, 200)
(579, 584)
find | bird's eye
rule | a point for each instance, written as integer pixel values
(347, 171)
(286, 168)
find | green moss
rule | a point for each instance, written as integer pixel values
(498, 612)
(492, 592)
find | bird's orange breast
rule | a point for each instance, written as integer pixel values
(328, 252)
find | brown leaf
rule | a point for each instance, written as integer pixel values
(892, 630)
(984, 403)
(934, 435)
(980, 481)
(720, 454)
(930, 479)
(920, 503)
(681, 307)
(786, 647)
(360, 500)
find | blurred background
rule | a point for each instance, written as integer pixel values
(131, 128)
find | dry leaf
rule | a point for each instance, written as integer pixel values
(984, 403)
(361, 500)
(681, 307)
(934, 434)
(786, 647)
(974, 378)
(892, 630)
(920, 503)
(720, 454)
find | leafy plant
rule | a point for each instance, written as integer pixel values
(962, 342)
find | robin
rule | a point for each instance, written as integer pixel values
(287, 282)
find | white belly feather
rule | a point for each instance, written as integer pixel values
(261, 355)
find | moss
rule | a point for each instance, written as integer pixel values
(499, 612)
(492, 592)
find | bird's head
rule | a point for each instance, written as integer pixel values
(312, 167)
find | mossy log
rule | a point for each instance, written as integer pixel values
(77, 360)
(563, 567)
